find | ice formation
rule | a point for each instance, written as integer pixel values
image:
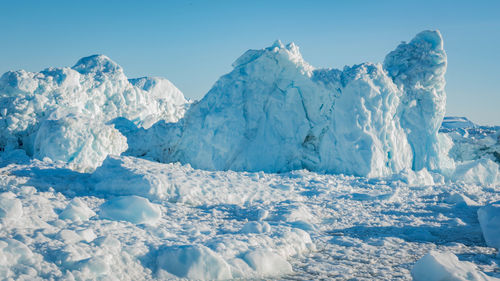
(274, 112)
(437, 266)
(489, 218)
(61, 113)
(134, 209)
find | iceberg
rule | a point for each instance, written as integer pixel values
(61, 113)
(274, 113)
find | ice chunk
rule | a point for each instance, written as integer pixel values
(437, 266)
(13, 252)
(255, 227)
(267, 263)
(70, 236)
(11, 208)
(451, 122)
(76, 210)
(489, 219)
(81, 142)
(133, 177)
(460, 200)
(481, 172)
(134, 209)
(193, 262)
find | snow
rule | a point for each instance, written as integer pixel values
(293, 225)
(437, 266)
(489, 218)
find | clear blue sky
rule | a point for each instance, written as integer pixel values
(192, 43)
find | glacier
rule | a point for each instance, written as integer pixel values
(275, 113)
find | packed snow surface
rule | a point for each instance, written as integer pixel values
(282, 171)
(134, 219)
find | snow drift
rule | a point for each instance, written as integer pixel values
(274, 112)
(61, 113)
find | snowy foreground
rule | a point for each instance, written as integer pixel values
(282, 171)
(57, 223)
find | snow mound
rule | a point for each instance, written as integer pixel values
(195, 262)
(489, 219)
(95, 89)
(437, 266)
(133, 209)
(274, 112)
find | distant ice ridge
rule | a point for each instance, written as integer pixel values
(63, 113)
(274, 112)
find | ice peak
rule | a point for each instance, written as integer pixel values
(98, 64)
(277, 44)
(276, 53)
(432, 37)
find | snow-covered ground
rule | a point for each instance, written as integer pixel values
(58, 223)
(362, 181)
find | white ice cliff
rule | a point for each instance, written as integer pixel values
(274, 112)
(61, 113)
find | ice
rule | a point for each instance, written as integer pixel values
(366, 120)
(446, 266)
(76, 210)
(489, 218)
(453, 123)
(255, 227)
(282, 171)
(89, 94)
(267, 263)
(193, 262)
(15, 257)
(481, 172)
(134, 209)
(418, 68)
(81, 142)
